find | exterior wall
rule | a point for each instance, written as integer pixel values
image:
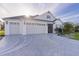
(6, 28)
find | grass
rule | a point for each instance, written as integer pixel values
(2, 33)
(76, 36)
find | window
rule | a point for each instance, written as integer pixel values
(11, 23)
(14, 23)
(48, 17)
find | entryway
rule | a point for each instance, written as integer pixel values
(50, 28)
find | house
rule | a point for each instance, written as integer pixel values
(30, 25)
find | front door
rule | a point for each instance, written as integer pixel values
(50, 28)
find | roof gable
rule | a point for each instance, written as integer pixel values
(46, 16)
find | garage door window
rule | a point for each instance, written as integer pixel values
(14, 23)
(34, 24)
(6, 22)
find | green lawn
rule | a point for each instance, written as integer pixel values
(2, 33)
(76, 36)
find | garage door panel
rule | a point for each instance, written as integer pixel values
(14, 28)
(36, 28)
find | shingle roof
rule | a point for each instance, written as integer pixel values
(33, 17)
(14, 17)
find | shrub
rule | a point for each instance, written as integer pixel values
(2, 33)
(59, 31)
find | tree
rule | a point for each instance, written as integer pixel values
(77, 28)
(68, 28)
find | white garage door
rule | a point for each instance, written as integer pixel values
(14, 28)
(35, 28)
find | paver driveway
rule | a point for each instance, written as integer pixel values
(38, 45)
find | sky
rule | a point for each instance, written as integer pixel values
(64, 11)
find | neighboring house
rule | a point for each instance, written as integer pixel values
(33, 25)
